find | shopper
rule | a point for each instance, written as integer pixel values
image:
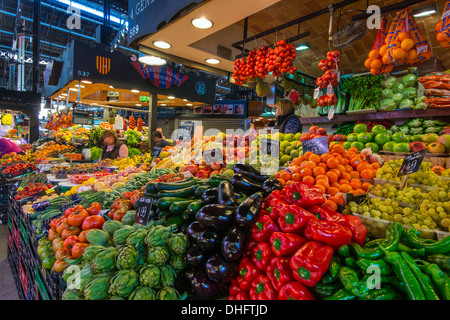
(158, 139)
(113, 148)
(7, 146)
(287, 121)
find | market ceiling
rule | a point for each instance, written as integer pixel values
(188, 42)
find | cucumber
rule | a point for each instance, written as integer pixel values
(181, 193)
(163, 186)
(165, 202)
(179, 206)
(195, 206)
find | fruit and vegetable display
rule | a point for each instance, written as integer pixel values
(18, 169)
(62, 172)
(442, 27)
(401, 93)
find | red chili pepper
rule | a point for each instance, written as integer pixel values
(304, 195)
(329, 233)
(262, 289)
(263, 229)
(286, 244)
(310, 262)
(279, 272)
(247, 271)
(262, 255)
(294, 291)
(325, 213)
(358, 229)
(294, 218)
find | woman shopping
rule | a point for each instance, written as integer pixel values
(287, 121)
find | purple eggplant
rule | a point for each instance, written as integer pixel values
(218, 269)
(204, 288)
(233, 243)
(215, 216)
(194, 230)
(208, 241)
(194, 257)
(210, 196)
(245, 185)
(248, 211)
(226, 195)
(250, 172)
(270, 185)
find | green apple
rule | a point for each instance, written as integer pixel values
(365, 137)
(389, 146)
(401, 147)
(347, 145)
(358, 145)
(378, 129)
(382, 138)
(359, 128)
(373, 146)
(352, 137)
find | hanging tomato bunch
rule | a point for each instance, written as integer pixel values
(329, 65)
(331, 62)
(326, 100)
(132, 123)
(140, 122)
(125, 124)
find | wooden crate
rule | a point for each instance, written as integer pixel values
(442, 160)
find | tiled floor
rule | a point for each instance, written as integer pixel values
(8, 289)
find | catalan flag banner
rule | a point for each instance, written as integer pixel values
(103, 65)
(163, 77)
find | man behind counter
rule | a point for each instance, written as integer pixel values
(158, 140)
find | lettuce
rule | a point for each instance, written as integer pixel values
(397, 98)
(387, 105)
(410, 93)
(398, 88)
(387, 93)
(96, 153)
(410, 80)
(406, 104)
(390, 82)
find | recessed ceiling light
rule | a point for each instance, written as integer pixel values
(138, 105)
(189, 104)
(111, 87)
(202, 23)
(64, 94)
(86, 81)
(73, 89)
(170, 97)
(152, 60)
(163, 104)
(162, 44)
(78, 86)
(212, 61)
(134, 90)
(185, 100)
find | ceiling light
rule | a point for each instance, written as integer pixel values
(111, 87)
(94, 104)
(86, 81)
(302, 46)
(170, 97)
(425, 11)
(189, 104)
(212, 61)
(134, 90)
(138, 105)
(152, 60)
(185, 100)
(73, 89)
(163, 104)
(162, 44)
(202, 23)
(78, 86)
(64, 94)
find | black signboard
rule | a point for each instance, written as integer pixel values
(213, 155)
(186, 130)
(83, 117)
(412, 163)
(270, 146)
(24, 101)
(156, 152)
(318, 145)
(144, 211)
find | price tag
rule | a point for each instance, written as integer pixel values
(144, 211)
(156, 152)
(317, 146)
(316, 93)
(412, 163)
(338, 76)
(331, 113)
(422, 48)
(329, 89)
(213, 155)
(270, 146)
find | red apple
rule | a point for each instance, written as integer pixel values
(215, 166)
(192, 168)
(321, 131)
(313, 129)
(305, 136)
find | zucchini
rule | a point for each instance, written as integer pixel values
(181, 193)
(215, 180)
(163, 186)
(179, 206)
(194, 206)
(186, 216)
(200, 189)
(174, 220)
(151, 187)
(165, 202)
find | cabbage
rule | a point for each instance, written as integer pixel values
(390, 82)
(387, 93)
(406, 103)
(398, 97)
(416, 130)
(414, 123)
(410, 93)
(410, 80)
(387, 105)
(398, 88)
(404, 129)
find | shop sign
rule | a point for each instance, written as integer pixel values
(317, 146)
(186, 130)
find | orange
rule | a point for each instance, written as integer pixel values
(342, 168)
(336, 155)
(297, 161)
(388, 68)
(332, 176)
(441, 36)
(306, 172)
(324, 157)
(366, 185)
(438, 26)
(335, 185)
(367, 63)
(309, 180)
(426, 54)
(402, 36)
(314, 158)
(382, 50)
(323, 165)
(277, 175)
(346, 161)
(296, 177)
(339, 148)
(367, 174)
(322, 177)
(359, 191)
(342, 160)
(346, 176)
(355, 161)
(353, 149)
(373, 54)
(285, 176)
(332, 191)
(338, 173)
(407, 44)
(386, 59)
(345, 188)
(294, 169)
(318, 171)
(307, 155)
(289, 183)
(375, 165)
(376, 64)
(354, 174)
(339, 199)
(357, 181)
(363, 157)
(310, 164)
(281, 181)
(332, 163)
(360, 167)
(399, 53)
(374, 72)
(355, 185)
(321, 187)
(348, 168)
(330, 204)
(444, 44)
(343, 181)
(412, 55)
(323, 183)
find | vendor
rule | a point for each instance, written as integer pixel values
(287, 121)
(158, 139)
(7, 146)
(113, 148)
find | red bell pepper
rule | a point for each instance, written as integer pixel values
(262, 289)
(329, 233)
(294, 218)
(279, 272)
(294, 291)
(304, 195)
(237, 293)
(262, 213)
(276, 194)
(325, 213)
(251, 244)
(262, 255)
(263, 229)
(246, 273)
(358, 229)
(286, 244)
(310, 262)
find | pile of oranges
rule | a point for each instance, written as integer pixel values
(335, 173)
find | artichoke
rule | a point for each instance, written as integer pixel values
(177, 262)
(78, 280)
(168, 293)
(136, 237)
(117, 298)
(97, 287)
(121, 235)
(157, 236)
(168, 276)
(111, 226)
(70, 294)
(123, 283)
(91, 252)
(157, 256)
(150, 276)
(142, 293)
(178, 243)
(105, 260)
(127, 258)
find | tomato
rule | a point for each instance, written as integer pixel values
(60, 265)
(72, 231)
(126, 194)
(111, 213)
(70, 242)
(52, 234)
(119, 214)
(94, 209)
(82, 236)
(54, 223)
(93, 222)
(76, 219)
(61, 253)
(57, 244)
(68, 212)
(78, 249)
(62, 224)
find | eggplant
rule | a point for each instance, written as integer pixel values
(270, 185)
(233, 243)
(226, 194)
(249, 172)
(208, 241)
(218, 269)
(215, 216)
(194, 257)
(243, 184)
(194, 230)
(248, 211)
(204, 288)
(210, 196)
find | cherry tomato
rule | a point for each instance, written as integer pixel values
(82, 236)
(94, 209)
(72, 231)
(93, 222)
(76, 219)
(70, 242)
(78, 249)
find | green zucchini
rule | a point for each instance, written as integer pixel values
(163, 186)
(179, 206)
(174, 220)
(165, 202)
(181, 193)
(200, 189)
(214, 181)
(186, 216)
(151, 187)
(195, 206)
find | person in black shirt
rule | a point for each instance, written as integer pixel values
(158, 140)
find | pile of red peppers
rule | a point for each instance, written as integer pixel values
(292, 244)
